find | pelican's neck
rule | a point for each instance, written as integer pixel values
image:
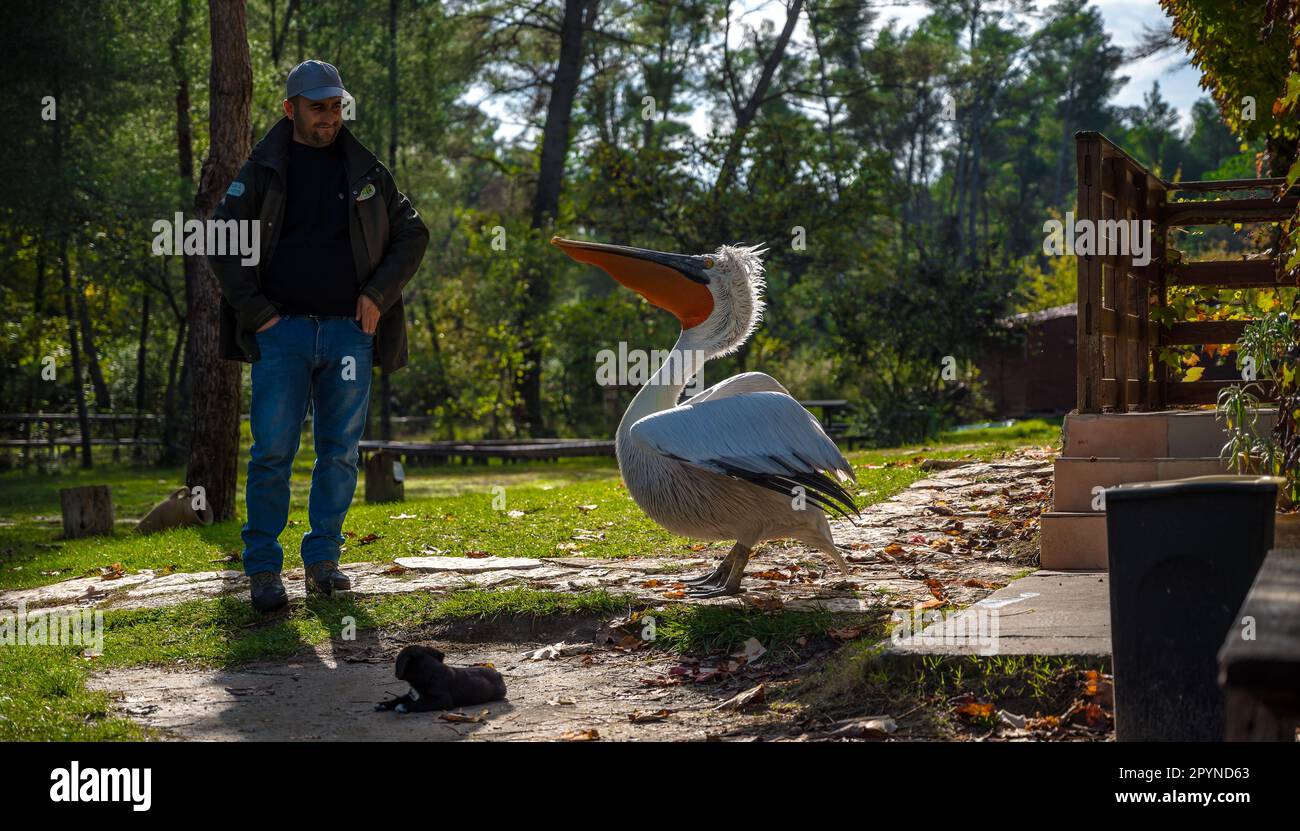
(661, 392)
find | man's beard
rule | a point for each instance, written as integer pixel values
(318, 137)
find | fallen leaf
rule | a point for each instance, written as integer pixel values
(638, 717)
(867, 728)
(589, 735)
(976, 710)
(113, 572)
(462, 718)
(675, 594)
(982, 584)
(893, 549)
(515, 514)
(846, 634)
(368, 538)
(404, 516)
(477, 555)
(586, 509)
(764, 602)
(749, 698)
(750, 651)
(561, 702)
(396, 569)
(558, 650)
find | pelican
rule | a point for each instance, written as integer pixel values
(741, 460)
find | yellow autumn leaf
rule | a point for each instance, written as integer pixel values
(1194, 374)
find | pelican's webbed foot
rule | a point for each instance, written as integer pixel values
(717, 577)
(735, 564)
(704, 592)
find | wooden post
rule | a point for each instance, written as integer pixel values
(384, 482)
(1088, 342)
(87, 511)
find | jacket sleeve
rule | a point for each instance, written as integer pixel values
(243, 201)
(407, 240)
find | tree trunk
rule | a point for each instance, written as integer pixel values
(214, 442)
(83, 417)
(38, 310)
(174, 412)
(171, 416)
(103, 401)
(578, 16)
(141, 363)
(746, 114)
(87, 511)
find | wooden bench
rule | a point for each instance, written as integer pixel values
(1260, 677)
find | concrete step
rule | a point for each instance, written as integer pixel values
(1073, 541)
(1177, 434)
(1075, 477)
(1043, 613)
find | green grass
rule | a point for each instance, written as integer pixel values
(714, 629)
(861, 677)
(456, 509)
(1029, 431)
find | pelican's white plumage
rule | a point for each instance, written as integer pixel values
(764, 432)
(741, 460)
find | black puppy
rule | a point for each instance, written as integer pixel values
(436, 686)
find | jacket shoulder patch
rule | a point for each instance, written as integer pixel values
(236, 188)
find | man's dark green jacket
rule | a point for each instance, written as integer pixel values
(388, 242)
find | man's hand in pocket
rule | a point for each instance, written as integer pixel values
(367, 315)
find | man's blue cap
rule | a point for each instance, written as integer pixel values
(314, 80)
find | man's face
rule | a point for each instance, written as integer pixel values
(315, 123)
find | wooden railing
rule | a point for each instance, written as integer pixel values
(1118, 340)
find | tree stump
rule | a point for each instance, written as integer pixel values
(385, 478)
(87, 511)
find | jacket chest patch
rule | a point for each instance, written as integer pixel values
(366, 192)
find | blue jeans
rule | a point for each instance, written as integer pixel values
(326, 361)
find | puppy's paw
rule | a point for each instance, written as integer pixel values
(401, 708)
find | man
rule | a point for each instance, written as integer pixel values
(313, 315)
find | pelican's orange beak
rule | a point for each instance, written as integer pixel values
(675, 282)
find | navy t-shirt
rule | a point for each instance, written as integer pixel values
(311, 270)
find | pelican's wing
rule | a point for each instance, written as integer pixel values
(737, 384)
(762, 437)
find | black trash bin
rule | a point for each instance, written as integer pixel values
(1183, 553)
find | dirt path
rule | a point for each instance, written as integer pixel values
(329, 693)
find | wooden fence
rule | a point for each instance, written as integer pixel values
(1118, 340)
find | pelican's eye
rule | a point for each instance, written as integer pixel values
(708, 262)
